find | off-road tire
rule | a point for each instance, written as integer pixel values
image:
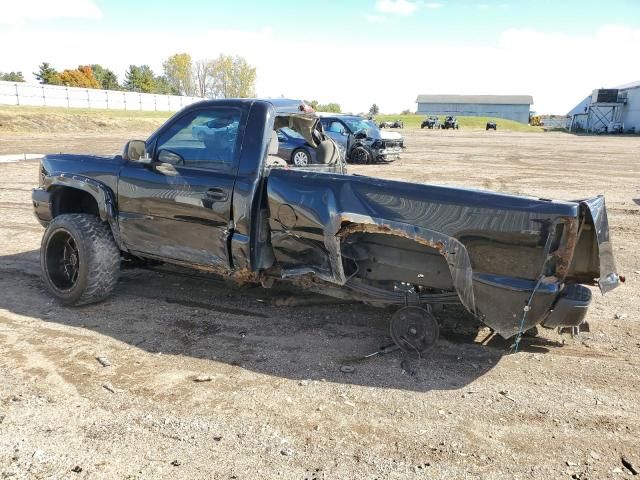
(97, 259)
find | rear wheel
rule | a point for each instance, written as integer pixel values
(79, 258)
(300, 158)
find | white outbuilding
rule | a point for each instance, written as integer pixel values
(608, 110)
(512, 107)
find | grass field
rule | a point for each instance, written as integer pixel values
(36, 120)
(25, 119)
(475, 123)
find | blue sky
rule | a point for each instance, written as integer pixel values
(354, 52)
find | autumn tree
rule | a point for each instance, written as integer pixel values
(139, 79)
(80, 77)
(12, 77)
(178, 71)
(47, 75)
(203, 73)
(105, 77)
(232, 77)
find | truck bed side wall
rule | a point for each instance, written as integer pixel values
(493, 244)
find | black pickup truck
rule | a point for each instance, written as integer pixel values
(202, 192)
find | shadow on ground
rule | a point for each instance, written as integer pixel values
(185, 313)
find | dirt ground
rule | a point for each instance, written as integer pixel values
(275, 403)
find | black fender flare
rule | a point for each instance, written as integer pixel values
(103, 195)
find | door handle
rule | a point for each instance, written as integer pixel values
(216, 194)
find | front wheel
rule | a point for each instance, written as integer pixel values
(79, 258)
(300, 158)
(360, 155)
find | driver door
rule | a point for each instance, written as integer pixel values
(178, 207)
(337, 131)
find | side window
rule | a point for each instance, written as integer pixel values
(336, 127)
(204, 138)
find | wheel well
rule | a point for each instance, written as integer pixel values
(73, 200)
(387, 257)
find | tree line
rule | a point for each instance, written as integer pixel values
(324, 107)
(224, 77)
(12, 77)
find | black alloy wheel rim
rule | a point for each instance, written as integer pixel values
(63, 260)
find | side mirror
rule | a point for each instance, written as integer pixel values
(135, 151)
(172, 158)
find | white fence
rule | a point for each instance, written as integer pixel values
(19, 93)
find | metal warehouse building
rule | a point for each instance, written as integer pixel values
(512, 107)
(608, 110)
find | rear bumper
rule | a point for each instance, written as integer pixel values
(41, 205)
(559, 301)
(570, 309)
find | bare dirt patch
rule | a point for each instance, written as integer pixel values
(275, 403)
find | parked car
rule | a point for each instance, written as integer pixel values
(430, 122)
(294, 149)
(450, 122)
(362, 140)
(492, 126)
(392, 124)
(513, 262)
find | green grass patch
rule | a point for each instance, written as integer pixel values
(15, 120)
(471, 123)
(89, 112)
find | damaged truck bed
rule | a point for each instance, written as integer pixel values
(204, 191)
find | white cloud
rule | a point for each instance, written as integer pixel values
(433, 5)
(556, 68)
(375, 18)
(19, 12)
(396, 7)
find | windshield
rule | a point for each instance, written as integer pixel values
(357, 124)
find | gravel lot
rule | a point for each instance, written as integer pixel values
(273, 402)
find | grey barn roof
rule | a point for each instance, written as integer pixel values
(478, 99)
